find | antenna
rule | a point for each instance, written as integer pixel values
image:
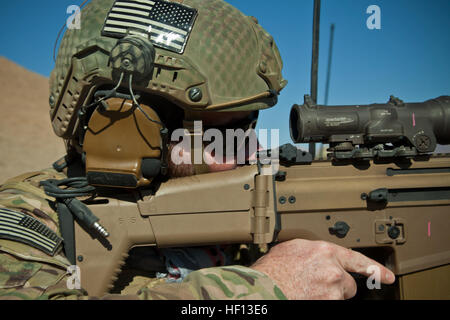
(322, 149)
(330, 55)
(60, 32)
(315, 62)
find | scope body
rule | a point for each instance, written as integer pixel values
(418, 126)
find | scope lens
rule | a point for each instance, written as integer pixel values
(294, 124)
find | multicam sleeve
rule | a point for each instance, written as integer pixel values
(221, 283)
(23, 279)
(31, 280)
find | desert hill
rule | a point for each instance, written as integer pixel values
(27, 141)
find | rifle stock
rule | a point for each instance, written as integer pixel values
(403, 212)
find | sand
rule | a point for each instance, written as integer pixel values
(27, 141)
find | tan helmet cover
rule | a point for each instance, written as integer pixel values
(228, 56)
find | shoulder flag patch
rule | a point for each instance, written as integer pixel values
(17, 226)
(166, 24)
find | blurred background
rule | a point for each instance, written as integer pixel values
(408, 57)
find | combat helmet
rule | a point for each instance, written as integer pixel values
(137, 69)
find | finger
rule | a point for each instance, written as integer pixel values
(349, 286)
(353, 261)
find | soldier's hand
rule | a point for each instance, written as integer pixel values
(306, 269)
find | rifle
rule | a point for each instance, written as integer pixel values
(382, 192)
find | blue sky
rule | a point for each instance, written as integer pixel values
(408, 57)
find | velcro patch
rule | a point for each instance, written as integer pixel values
(17, 226)
(167, 24)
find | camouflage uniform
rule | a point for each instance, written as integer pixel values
(28, 273)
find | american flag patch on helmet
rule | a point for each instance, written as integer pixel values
(167, 24)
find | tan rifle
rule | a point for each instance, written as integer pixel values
(397, 213)
(404, 213)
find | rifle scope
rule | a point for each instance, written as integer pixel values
(392, 129)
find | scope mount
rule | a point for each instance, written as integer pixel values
(341, 154)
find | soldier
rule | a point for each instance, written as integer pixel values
(133, 73)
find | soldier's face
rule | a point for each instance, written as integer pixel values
(209, 120)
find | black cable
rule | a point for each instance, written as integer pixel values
(66, 199)
(110, 94)
(139, 106)
(79, 188)
(82, 113)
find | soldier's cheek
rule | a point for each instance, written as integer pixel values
(217, 165)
